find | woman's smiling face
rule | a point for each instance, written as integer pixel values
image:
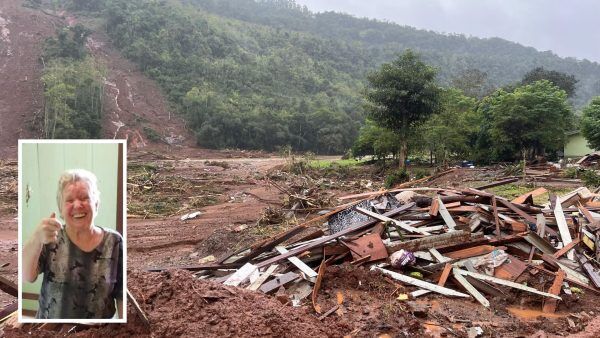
(78, 207)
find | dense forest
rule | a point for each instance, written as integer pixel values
(268, 73)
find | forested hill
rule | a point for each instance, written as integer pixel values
(503, 61)
(269, 73)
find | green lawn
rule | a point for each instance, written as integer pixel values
(320, 164)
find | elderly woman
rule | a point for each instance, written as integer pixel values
(82, 262)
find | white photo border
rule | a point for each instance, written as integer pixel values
(22, 319)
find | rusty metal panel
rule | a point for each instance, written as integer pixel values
(369, 245)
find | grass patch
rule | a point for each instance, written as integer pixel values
(323, 164)
(511, 191)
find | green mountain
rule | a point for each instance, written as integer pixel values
(265, 74)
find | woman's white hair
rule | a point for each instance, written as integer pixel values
(76, 175)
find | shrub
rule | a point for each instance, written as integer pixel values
(396, 177)
(420, 173)
(590, 178)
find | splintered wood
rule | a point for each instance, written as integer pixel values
(482, 242)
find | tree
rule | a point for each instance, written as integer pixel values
(590, 123)
(452, 131)
(401, 96)
(473, 83)
(533, 118)
(375, 140)
(563, 81)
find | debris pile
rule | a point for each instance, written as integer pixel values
(8, 185)
(464, 243)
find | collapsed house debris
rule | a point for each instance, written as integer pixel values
(454, 242)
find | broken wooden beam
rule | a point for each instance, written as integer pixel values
(497, 183)
(262, 278)
(389, 219)
(505, 283)
(563, 228)
(8, 286)
(326, 239)
(278, 282)
(422, 284)
(307, 270)
(432, 241)
(470, 288)
(138, 309)
(589, 269)
(566, 248)
(550, 304)
(446, 215)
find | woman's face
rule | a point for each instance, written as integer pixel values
(78, 208)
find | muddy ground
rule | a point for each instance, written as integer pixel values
(232, 195)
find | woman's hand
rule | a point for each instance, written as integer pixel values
(47, 231)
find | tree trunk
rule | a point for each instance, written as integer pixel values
(403, 153)
(524, 164)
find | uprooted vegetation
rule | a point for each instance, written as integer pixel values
(157, 190)
(8, 186)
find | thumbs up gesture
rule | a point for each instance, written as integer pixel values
(47, 230)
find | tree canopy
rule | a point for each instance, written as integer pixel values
(531, 119)
(402, 95)
(590, 123)
(561, 80)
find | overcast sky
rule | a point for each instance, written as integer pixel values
(566, 27)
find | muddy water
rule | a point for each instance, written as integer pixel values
(531, 314)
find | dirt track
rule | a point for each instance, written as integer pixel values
(22, 32)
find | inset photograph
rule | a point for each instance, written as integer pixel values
(72, 231)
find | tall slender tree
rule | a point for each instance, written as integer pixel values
(401, 95)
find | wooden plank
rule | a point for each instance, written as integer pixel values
(589, 269)
(537, 192)
(262, 278)
(586, 213)
(446, 215)
(506, 283)
(550, 304)
(511, 269)
(563, 228)
(496, 217)
(471, 252)
(422, 284)
(307, 270)
(9, 310)
(497, 184)
(317, 287)
(138, 309)
(434, 208)
(241, 275)
(438, 256)
(388, 219)
(445, 274)
(470, 289)
(433, 241)
(268, 245)
(441, 282)
(8, 286)
(278, 282)
(462, 209)
(326, 239)
(518, 211)
(567, 248)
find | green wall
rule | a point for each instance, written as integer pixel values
(41, 165)
(576, 146)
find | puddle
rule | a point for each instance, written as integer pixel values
(530, 314)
